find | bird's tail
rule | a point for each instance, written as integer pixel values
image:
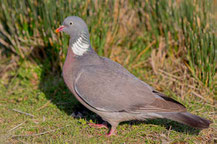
(188, 119)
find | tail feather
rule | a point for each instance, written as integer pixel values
(188, 119)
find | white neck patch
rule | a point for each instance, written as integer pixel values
(80, 46)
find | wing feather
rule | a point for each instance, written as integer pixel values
(107, 90)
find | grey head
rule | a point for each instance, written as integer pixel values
(79, 35)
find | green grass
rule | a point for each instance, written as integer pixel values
(170, 44)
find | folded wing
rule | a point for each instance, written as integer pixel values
(107, 90)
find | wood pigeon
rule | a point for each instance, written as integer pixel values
(108, 89)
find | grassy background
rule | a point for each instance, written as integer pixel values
(170, 44)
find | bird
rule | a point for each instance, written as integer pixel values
(108, 89)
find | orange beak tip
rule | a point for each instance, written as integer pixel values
(56, 31)
(59, 29)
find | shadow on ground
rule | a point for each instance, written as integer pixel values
(53, 86)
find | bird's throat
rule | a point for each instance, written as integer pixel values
(80, 46)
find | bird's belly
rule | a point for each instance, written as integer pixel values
(68, 79)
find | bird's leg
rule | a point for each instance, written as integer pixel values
(112, 130)
(103, 125)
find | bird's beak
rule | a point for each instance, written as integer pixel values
(59, 29)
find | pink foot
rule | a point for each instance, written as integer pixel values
(103, 125)
(111, 132)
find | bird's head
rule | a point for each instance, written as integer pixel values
(79, 35)
(73, 25)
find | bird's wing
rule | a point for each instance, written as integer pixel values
(107, 90)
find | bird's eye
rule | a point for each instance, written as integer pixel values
(70, 23)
